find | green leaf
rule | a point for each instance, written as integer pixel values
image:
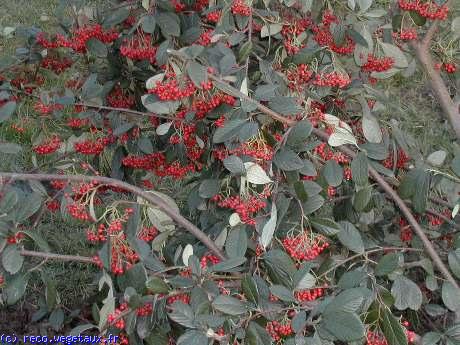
(116, 17)
(396, 53)
(313, 204)
(407, 294)
(250, 289)
(229, 305)
(15, 289)
(392, 329)
(156, 285)
(230, 130)
(344, 326)
(387, 264)
(148, 24)
(234, 164)
(361, 198)
(257, 335)
(30, 205)
(299, 133)
(360, 169)
(7, 110)
(282, 293)
(197, 73)
(228, 264)
(270, 30)
(420, 196)
(454, 262)
(303, 279)
(451, 296)
(288, 160)
(168, 23)
(182, 314)
(8, 201)
(350, 237)
(284, 105)
(333, 173)
(417, 18)
(96, 47)
(209, 188)
(347, 301)
(431, 338)
(236, 243)
(193, 337)
(56, 319)
(12, 260)
(326, 226)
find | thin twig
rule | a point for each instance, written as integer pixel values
(60, 257)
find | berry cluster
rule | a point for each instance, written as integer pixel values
(429, 9)
(401, 162)
(145, 310)
(46, 109)
(305, 246)
(278, 331)
(241, 8)
(184, 298)
(449, 67)
(83, 34)
(48, 146)
(53, 205)
(214, 16)
(325, 152)
(139, 47)
(375, 64)
(377, 338)
(2, 281)
(147, 234)
(333, 79)
(298, 76)
(205, 38)
(246, 208)
(76, 123)
(16, 238)
(78, 211)
(56, 65)
(406, 34)
(324, 37)
(291, 31)
(170, 90)
(115, 318)
(437, 221)
(255, 149)
(119, 98)
(212, 259)
(92, 147)
(309, 295)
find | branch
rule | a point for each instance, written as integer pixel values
(423, 54)
(52, 256)
(430, 250)
(151, 198)
(130, 111)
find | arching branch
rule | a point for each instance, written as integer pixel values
(150, 198)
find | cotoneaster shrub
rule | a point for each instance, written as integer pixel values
(260, 123)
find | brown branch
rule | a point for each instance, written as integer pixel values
(430, 250)
(423, 54)
(53, 256)
(151, 198)
(129, 111)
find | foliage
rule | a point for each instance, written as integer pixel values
(249, 110)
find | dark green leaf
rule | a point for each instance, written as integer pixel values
(229, 305)
(392, 329)
(234, 164)
(96, 47)
(326, 226)
(237, 243)
(387, 264)
(156, 285)
(407, 294)
(229, 131)
(168, 23)
(257, 335)
(12, 260)
(359, 169)
(197, 73)
(451, 296)
(344, 326)
(148, 24)
(299, 133)
(350, 237)
(333, 173)
(288, 160)
(209, 188)
(7, 110)
(15, 289)
(284, 105)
